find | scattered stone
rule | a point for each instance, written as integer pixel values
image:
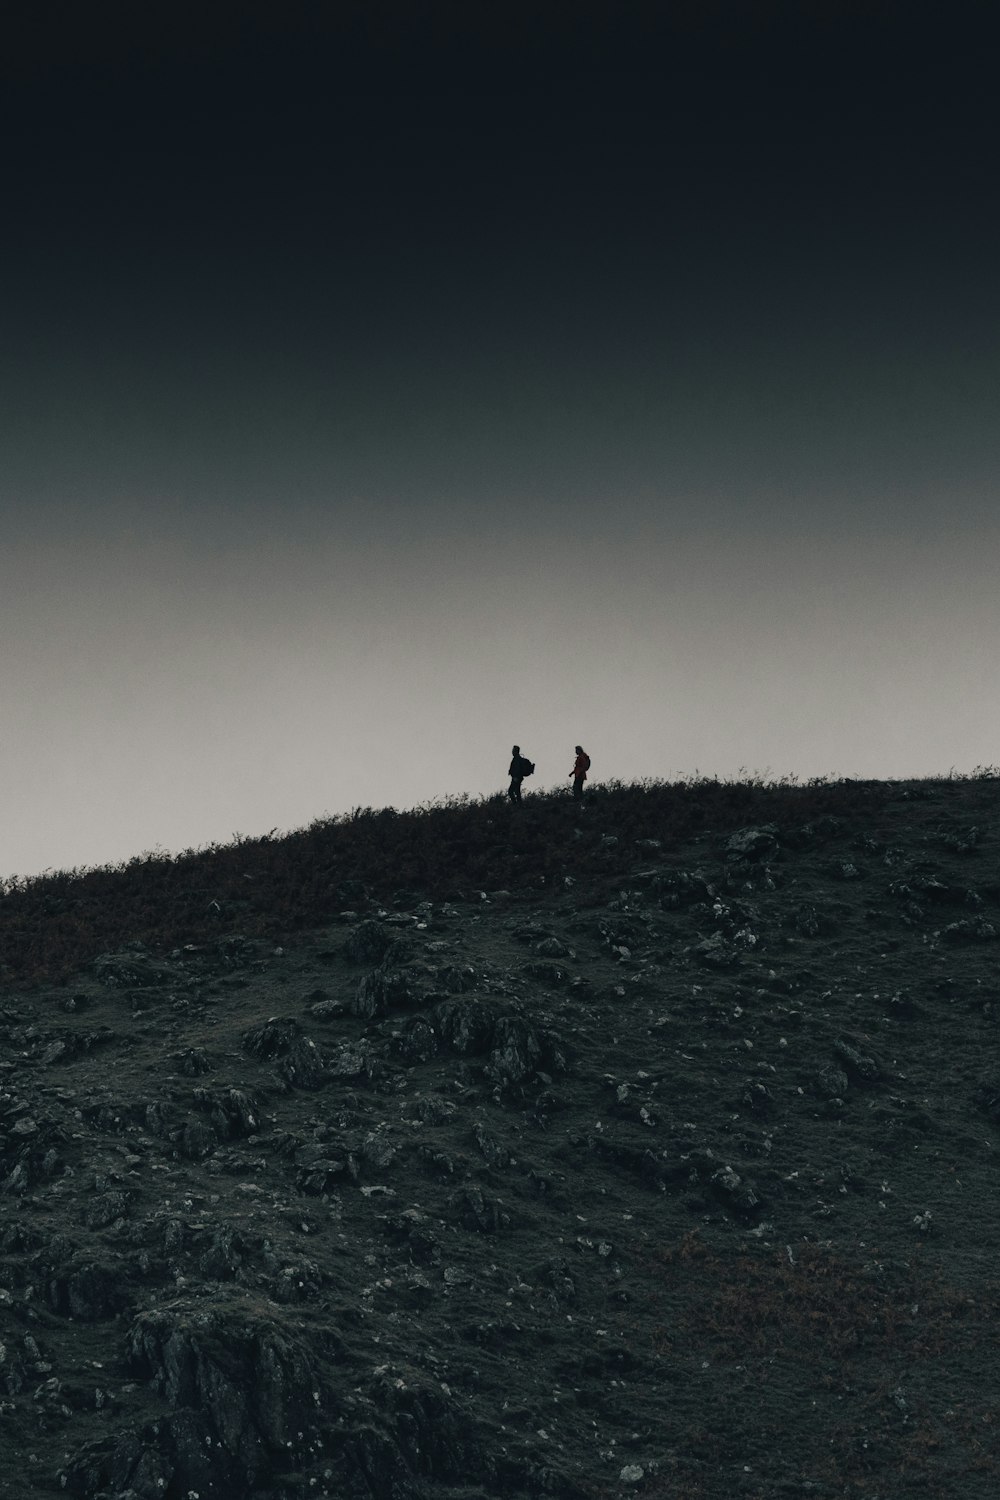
(735, 1192)
(969, 930)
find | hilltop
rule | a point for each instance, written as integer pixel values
(648, 1149)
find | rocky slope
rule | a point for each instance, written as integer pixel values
(668, 1167)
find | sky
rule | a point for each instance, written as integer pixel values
(382, 386)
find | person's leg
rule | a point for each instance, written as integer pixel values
(578, 787)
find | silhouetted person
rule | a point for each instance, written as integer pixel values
(579, 772)
(520, 767)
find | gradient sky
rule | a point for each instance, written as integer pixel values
(380, 387)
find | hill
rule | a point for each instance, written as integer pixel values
(642, 1149)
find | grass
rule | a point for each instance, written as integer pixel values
(53, 924)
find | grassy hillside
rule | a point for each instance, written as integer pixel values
(646, 1149)
(51, 924)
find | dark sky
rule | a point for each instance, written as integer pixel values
(381, 385)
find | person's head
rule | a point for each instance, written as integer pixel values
(515, 750)
(579, 749)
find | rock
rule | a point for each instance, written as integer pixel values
(466, 1026)
(432, 1434)
(521, 1051)
(474, 1210)
(753, 843)
(247, 1374)
(234, 1112)
(859, 1065)
(302, 1067)
(368, 943)
(176, 1456)
(133, 971)
(416, 1041)
(328, 1010)
(438, 1163)
(353, 1060)
(107, 1208)
(433, 1110)
(831, 1082)
(969, 930)
(457, 979)
(192, 1061)
(518, 1052)
(273, 1039)
(530, 932)
(677, 888)
(324, 1173)
(197, 1140)
(808, 921)
(378, 1150)
(225, 1253)
(735, 1192)
(757, 1097)
(716, 953)
(382, 990)
(495, 1151)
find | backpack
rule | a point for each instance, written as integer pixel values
(527, 767)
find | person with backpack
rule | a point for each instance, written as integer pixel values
(520, 767)
(579, 772)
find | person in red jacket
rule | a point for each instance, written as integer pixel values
(579, 771)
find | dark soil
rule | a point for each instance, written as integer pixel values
(649, 1148)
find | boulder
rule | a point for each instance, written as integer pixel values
(135, 971)
(753, 843)
(247, 1374)
(368, 943)
(466, 1026)
(384, 989)
(273, 1039)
